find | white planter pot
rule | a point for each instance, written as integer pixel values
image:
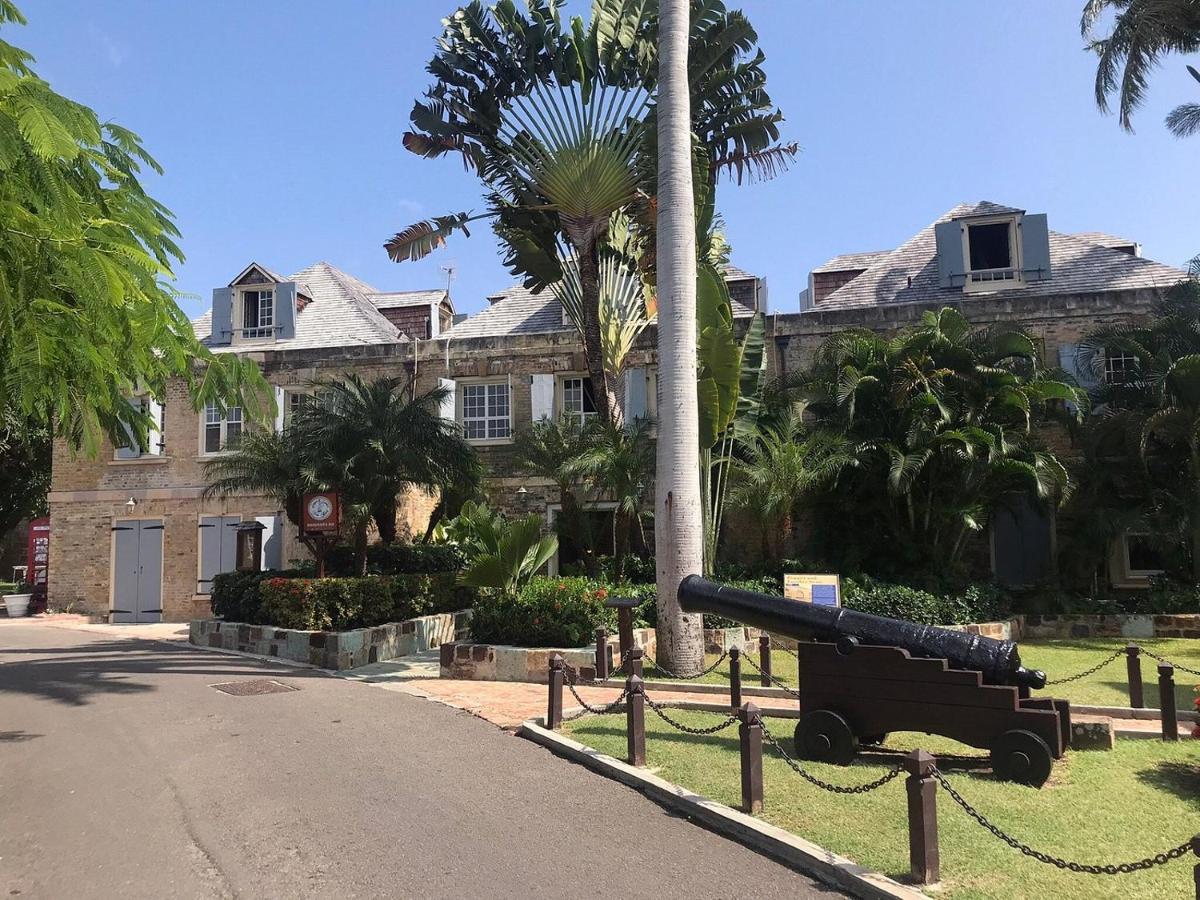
(17, 605)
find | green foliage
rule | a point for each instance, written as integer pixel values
(506, 555)
(397, 559)
(25, 452)
(88, 314)
(547, 612)
(974, 603)
(235, 595)
(339, 604)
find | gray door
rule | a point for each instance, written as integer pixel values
(1022, 543)
(137, 570)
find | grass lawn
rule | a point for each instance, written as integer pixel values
(1098, 807)
(1058, 658)
(8, 587)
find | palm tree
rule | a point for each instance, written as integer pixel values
(678, 523)
(1142, 33)
(374, 439)
(619, 461)
(550, 449)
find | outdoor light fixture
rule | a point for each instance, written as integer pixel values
(130, 504)
(521, 492)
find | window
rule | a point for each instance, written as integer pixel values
(1119, 366)
(578, 398)
(991, 252)
(485, 411)
(155, 439)
(258, 314)
(1143, 555)
(221, 432)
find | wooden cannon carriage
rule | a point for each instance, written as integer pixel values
(863, 676)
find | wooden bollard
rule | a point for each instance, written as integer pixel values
(601, 654)
(1166, 702)
(1196, 870)
(764, 659)
(923, 857)
(635, 662)
(554, 705)
(1133, 665)
(750, 745)
(635, 721)
(735, 678)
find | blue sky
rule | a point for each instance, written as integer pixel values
(279, 127)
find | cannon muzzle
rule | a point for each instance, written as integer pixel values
(997, 660)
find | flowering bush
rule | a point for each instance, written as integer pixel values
(548, 612)
(337, 604)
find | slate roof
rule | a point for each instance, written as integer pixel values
(1078, 264)
(518, 310)
(396, 299)
(846, 261)
(341, 314)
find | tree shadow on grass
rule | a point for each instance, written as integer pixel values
(72, 675)
(1180, 779)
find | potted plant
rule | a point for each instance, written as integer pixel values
(18, 604)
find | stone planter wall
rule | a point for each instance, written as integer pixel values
(499, 662)
(722, 640)
(1126, 626)
(332, 649)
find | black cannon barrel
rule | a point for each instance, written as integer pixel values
(997, 660)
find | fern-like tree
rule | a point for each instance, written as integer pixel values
(87, 311)
(1142, 33)
(550, 449)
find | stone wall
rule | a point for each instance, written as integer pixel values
(498, 662)
(1125, 626)
(336, 650)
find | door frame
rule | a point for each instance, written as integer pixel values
(112, 560)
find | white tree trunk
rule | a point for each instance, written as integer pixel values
(678, 526)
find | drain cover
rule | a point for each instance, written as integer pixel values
(253, 688)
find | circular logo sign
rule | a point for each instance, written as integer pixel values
(319, 508)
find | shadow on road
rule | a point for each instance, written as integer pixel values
(72, 674)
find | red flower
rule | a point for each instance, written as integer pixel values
(562, 585)
(601, 594)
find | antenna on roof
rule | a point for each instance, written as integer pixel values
(450, 272)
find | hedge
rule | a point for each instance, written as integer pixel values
(396, 559)
(548, 612)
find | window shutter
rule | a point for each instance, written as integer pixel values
(228, 533)
(541, 396)
(448, 402)
(210, 552)
(222, 316)
(1068, 359)
(1035, 248)
(950, 254)
(272, 543)
(281, 401)
(131, 449)
(285, 310)
(157, 436)
(635, 394)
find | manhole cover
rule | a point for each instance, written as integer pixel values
(253, 688)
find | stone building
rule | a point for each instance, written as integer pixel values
(133, 537)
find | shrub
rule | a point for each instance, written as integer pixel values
(548, 612)
(427, 594)
(339, 604)
(396, 559)
(974, 603)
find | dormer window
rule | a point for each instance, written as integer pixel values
(258, 313)
(991, 250)
(1008, 249)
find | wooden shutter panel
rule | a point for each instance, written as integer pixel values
(131, 450)
(951, 268)
(272, 542)
(281, 401)
(541, 396)
(1035, 248)
(157, 437)
(210, 552)
(635, 394)
(285, 310)
(448, 402)
(222, 316)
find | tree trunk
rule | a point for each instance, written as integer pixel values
(621, 527)
(384, 514)
(604, 383)
(360, 546)
(678, 525)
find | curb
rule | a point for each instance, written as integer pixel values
(780, 845)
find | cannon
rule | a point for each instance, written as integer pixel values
(863, 676)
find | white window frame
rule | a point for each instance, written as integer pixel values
(565, 385)
(158, 448)
(1110, 370)
(467, 387)
(264, 315)
(993, 279)
(211, 415)
(1130, 571)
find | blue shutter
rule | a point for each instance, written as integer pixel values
(272, 543)
(131, 448)
(1035, 248)
(635, 394)
(210, 553)
(285, 310)
(222, 316)
(951, 268)
(541, 396)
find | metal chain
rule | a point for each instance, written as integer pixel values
(825, 785)
(656, 665)
(1086, 672)
(1163, 659)
(792, 653)
(658, 711)
(1149, 862)
(595, 710)
(771, 676)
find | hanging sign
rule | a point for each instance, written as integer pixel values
(819, 590)
(322, 513)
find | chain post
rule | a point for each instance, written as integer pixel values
(601, 654)
(1133, 663)
(554, 706)
(635, 662)
(750, 743)
(625, 630)
(1166, 702)
(735, 677)
(764, 659)
(635, 720)
(1196, 870)
(923, 857)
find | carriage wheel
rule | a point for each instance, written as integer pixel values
(1023, 757)
(824, 736)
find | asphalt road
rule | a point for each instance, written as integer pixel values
(123, 773)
